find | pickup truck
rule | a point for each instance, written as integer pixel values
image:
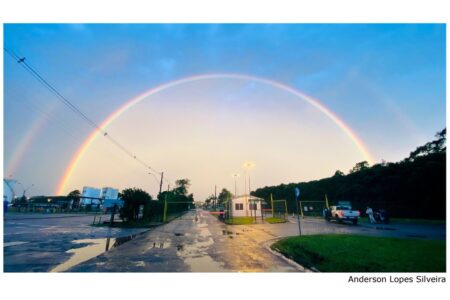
(342, 213)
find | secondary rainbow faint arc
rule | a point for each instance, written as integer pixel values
(130, 103)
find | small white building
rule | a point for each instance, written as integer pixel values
(246, 206)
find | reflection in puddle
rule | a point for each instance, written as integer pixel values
(13, 244)
(196, 257)
(95, 248)
(159, 245)
(203, 264)
(139, 263)
(120, 240)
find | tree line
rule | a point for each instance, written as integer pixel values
(412, 188)
(139, 205)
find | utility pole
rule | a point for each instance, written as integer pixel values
(160, 184)
(215, 195)
(297, 196)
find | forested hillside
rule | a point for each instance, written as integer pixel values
(412, 188)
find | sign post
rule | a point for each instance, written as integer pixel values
(297, 196)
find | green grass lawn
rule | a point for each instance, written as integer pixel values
(274, 220)
(356, 253)
(240, 221)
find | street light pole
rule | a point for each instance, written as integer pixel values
(247, 166)
(235, 184)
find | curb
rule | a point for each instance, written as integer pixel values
(270, 242)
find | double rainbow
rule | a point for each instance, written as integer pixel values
(61, 188)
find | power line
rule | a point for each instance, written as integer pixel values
(22, 61)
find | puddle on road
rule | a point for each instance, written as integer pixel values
(204, 232)
(203, 264)
(94, 248)
(139, 263)
(197, 258)
(160, 245)
(10, 244)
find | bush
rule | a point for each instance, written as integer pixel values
(133, 199)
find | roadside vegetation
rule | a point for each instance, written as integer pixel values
(356, 253)
(272, 220)
(240, 221)
(414, 188)
(141, 211)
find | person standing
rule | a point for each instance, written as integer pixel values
(369, 212)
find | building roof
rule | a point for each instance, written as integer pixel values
(250, 197)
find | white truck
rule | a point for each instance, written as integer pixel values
(342, 213)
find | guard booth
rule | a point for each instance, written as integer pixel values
(246, 206)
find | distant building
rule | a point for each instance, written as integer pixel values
(90, 196)
(109, 193)
(246, 206)
(49, 202)
(109, 203)
(110, 198)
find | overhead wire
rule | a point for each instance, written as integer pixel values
(22, 61)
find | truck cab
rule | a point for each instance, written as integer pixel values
(342, 213)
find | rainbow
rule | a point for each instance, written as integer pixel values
(130, 103)
(26, 142)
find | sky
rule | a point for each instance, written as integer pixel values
(384, 82)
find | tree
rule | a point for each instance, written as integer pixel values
(75, 197)
(364, 165)
(436, 146)
(178, 198)
(338, 173)
(133, 199)
(412, 188)
(209, 199)
(181, 186)
(224, 196)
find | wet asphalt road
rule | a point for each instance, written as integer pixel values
(196, 242)
(320, 226)
(39, 242)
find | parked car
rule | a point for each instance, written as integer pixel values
(342, 213)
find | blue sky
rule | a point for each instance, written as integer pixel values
(387, 82)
